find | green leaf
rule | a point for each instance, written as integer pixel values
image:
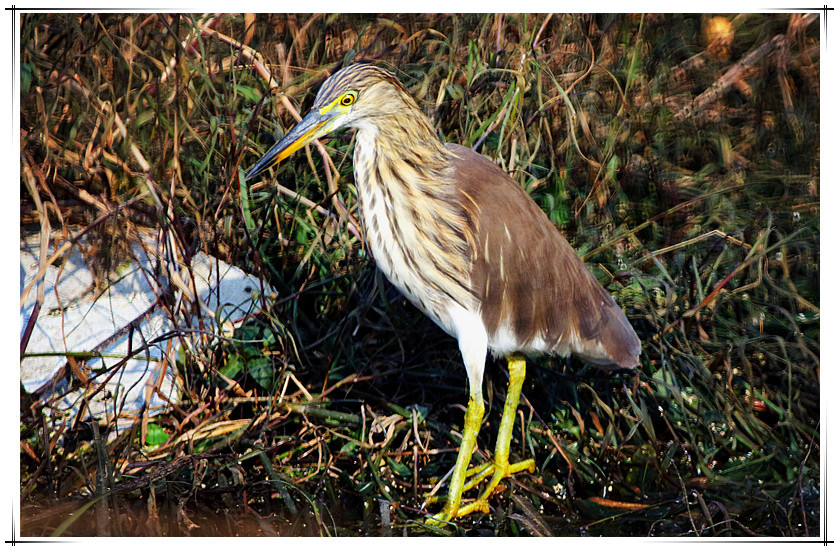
(156, 435)
(246, 207)
(25, 78)
(398, 468)
(262, 372)
(249, 93)
(455, 91)
(232, 368)
(146, 117)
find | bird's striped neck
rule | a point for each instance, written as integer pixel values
(414, 227)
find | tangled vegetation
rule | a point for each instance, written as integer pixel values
(678, 154)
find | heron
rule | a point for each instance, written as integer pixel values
(463, 242)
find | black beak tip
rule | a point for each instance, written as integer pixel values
(257, 169)
(251, 173)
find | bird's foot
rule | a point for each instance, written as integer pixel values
(475, 476)
(500, 470)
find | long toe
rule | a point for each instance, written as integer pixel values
(500, 472)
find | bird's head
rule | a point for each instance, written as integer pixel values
(354, 97)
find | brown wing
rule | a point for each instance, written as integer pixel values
(529, 279)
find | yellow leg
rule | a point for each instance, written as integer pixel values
(471, 425)
(500, 467)
(501, 460)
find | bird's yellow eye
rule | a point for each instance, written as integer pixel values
(348, 99)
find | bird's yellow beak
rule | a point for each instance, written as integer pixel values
(313, 126)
